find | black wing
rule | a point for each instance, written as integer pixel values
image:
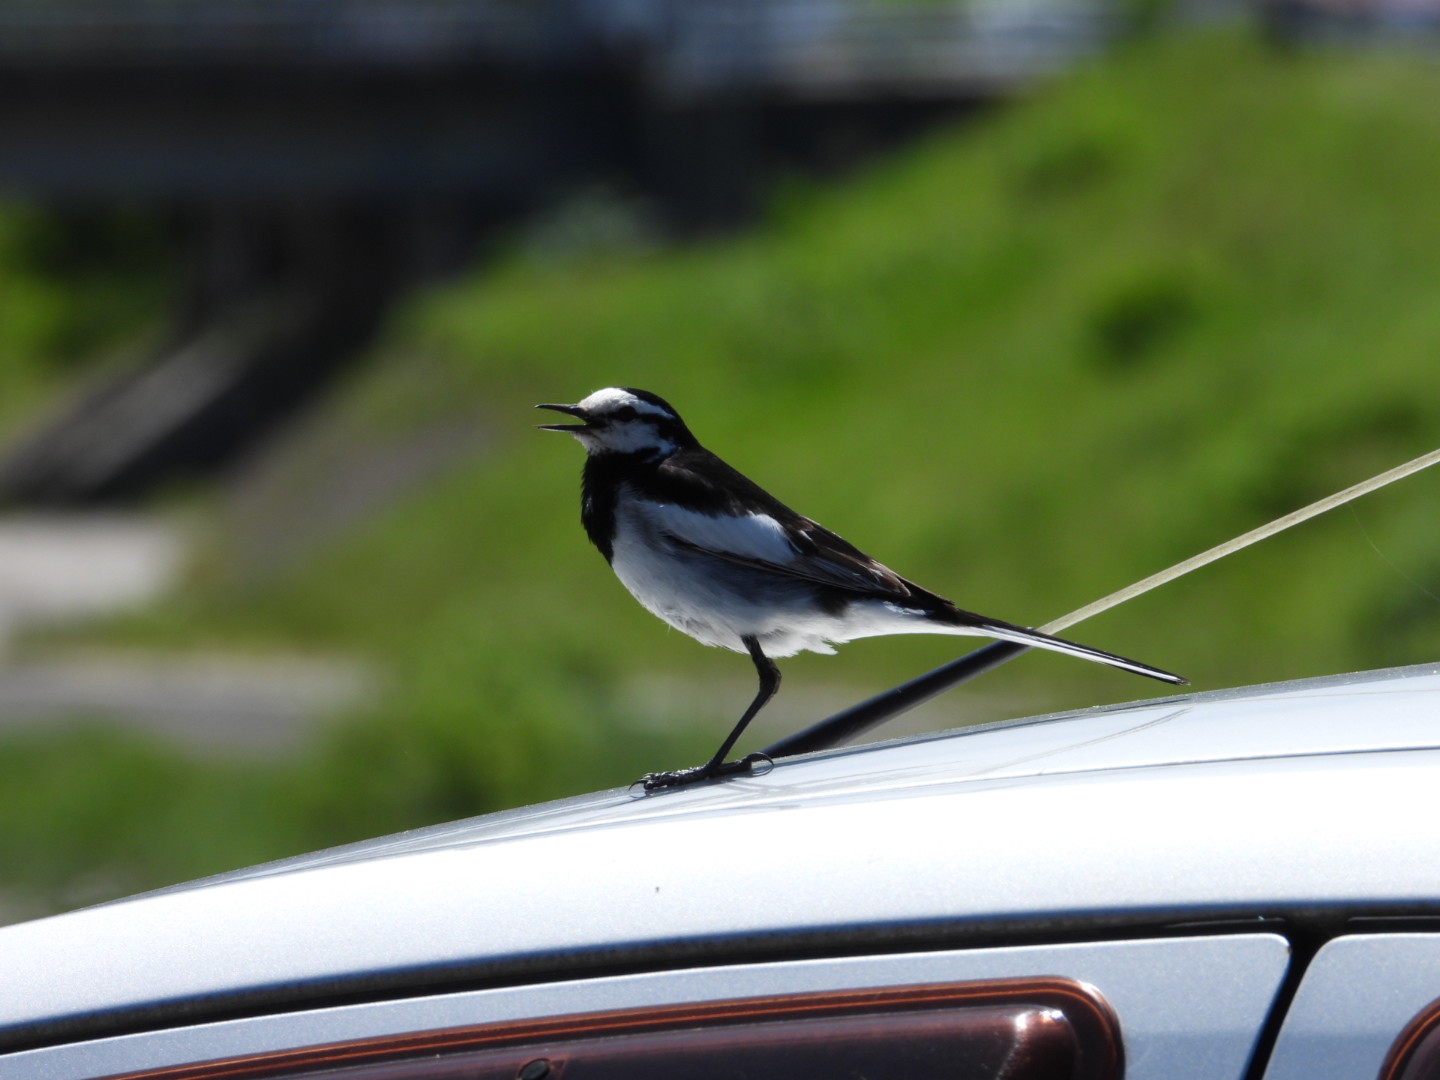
(732, 518)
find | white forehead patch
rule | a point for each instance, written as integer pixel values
(612, 398)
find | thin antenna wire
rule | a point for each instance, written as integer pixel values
(860, 718)
(1180, 569)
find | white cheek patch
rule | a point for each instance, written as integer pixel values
(634, 437)
(751, 536)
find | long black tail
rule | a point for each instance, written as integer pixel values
(995, 628)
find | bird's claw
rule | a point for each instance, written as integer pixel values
(750, 765)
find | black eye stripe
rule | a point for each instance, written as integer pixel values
(625, 413)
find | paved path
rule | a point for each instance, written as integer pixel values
(221, 705)
(67, 566)
(55, 569)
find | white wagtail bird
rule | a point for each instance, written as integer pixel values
(714, 555)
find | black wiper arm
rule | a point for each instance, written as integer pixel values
(858, 719)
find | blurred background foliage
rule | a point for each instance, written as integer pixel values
(1040, 354)
(79, 287)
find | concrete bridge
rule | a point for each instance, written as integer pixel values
(325, 156)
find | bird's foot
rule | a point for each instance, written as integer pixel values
(750, 765)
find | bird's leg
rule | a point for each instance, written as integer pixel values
(717, 766)
(769, 683)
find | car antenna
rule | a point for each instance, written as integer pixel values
(855, 721)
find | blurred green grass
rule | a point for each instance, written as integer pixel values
(1163, 300)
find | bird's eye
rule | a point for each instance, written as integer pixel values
(625, 413)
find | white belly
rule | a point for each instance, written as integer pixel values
(717, 603)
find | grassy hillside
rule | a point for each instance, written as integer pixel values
(1034, 359)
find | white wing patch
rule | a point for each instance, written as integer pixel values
(750, 536)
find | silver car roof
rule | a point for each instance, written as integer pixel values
(1241, 805)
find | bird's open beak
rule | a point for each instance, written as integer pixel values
(569, 410)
